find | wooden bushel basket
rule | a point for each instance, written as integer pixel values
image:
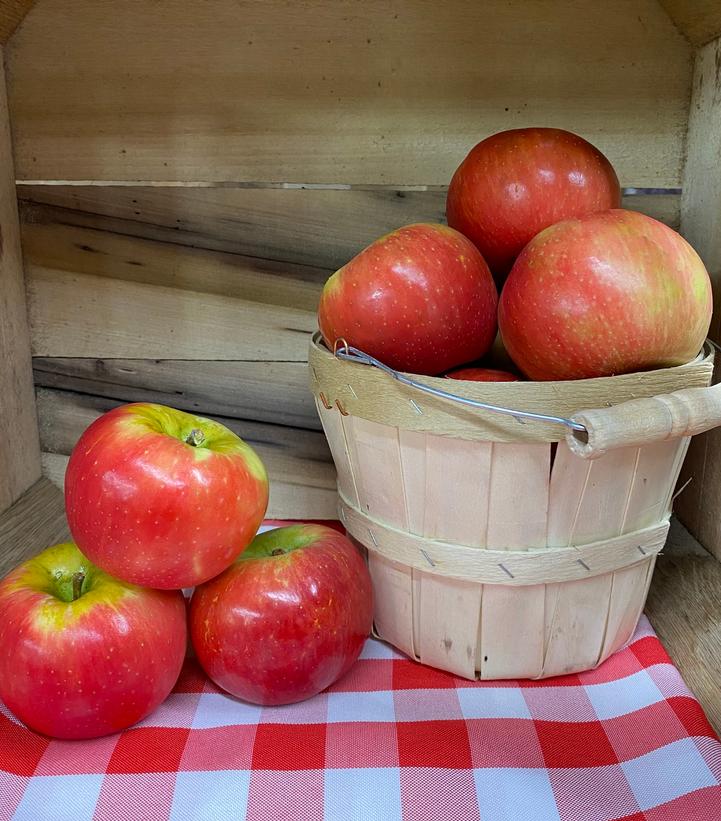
(503, 547)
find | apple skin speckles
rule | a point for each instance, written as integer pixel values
(421, 300)
(516, 183)
(137, 510)
(287, 619)
(605, 294)
(90, 666)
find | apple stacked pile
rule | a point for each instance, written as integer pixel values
(587, 289)
(93, 634)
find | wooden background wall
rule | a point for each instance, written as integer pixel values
(190, 174)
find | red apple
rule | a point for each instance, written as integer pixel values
(516, 183)
(420, 299)
(81, 653)
(287, 619)
(162, 498)
(482, 375)
(605, 294)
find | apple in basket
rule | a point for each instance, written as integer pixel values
(420, 299)
(81, 653)
(516, 183)
(605, 294)
(163, 498)
(482, 375)
(287, 619)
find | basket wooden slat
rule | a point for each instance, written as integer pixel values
(511, 618)
(518, 499)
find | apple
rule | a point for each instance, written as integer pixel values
(605, 294)
(482, 375)
(83, 654)
(420, 299)
(287, 619)
(163, 498)
(516, 183)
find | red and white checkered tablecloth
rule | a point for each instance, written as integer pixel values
(392, 740)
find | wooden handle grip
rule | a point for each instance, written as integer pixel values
(642, 421)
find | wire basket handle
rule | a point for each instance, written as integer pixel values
(344, 351)
(591, 433)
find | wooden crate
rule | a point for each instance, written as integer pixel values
(189, 173)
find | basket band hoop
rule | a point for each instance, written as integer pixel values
(507, 567)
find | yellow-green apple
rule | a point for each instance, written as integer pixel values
(163, 498)
(605, 294)
(83, 654)
(420, 299)
(287, 619)
(482, 375)
(516, 183)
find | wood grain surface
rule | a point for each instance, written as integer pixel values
(318, 228)
(12, 13)
(346, 92)
(683, 606)
(699, 505)
(20, 458)
(697, 20)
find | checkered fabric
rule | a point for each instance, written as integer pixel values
(391, 740)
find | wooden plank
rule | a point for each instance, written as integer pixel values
(228, 90)
(569, 478)
(450, 612)
(393, 602)
(20, 461)
(512, 631)
(34, 522)
(301, 474)
(321, 228)
(70, 249)
(82, 315)
(699, 20)
(455, 501)
(333, 429)
(708, 525)
(376, 460)
(701, 199)
(589, 499)
(698, 506)
(413, 467)
(628, 593)
(264, 391)
(656, 474)
(157, 300)
(575, 624)
(683, 608)
(518, 472)
(12, 13)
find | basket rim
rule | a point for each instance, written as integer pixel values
(704, 358)
(365, 392)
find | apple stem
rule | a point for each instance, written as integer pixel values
(277, 552)
(78, 579)
(195, 438)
